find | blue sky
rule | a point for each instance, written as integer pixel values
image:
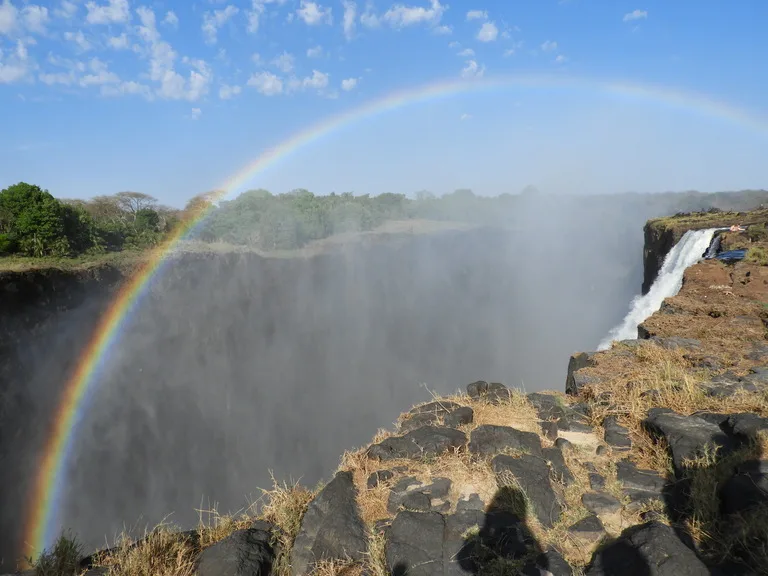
(172, 97)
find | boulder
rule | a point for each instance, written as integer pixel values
(587, 531)
(548, 406)
(243, 553)
(575, 363)
(378, 477)
(489, 439)
(331, 527)
(638, 484)
(415, 544)
(532, 475)
(436, 413)
(428, 441)
(650, 549)
(745, 426)
(616, 435)
(600, 503)
(686, 436)
(747, 488)
(596, 481)
(560, 471)
(495, 392)
(459, 417)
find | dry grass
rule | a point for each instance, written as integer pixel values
(285, 507)
(214, 527)
(162, 552)
(62, 560)
(757, 255)
(719, 537)
(468, 476)
(629, 380)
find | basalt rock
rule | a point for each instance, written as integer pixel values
(331, 527)
(427, 441)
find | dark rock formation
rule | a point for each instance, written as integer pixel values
(489, 439)
(532, 475)
(600, 503)
(428, 441)
(243, 553)
(574, 382)
(331, 527)
(651, 549)
(686, 436)
(616, 435)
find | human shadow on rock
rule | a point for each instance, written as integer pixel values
(504, 537)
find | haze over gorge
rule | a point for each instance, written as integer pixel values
(237, 364)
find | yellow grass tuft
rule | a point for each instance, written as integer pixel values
(214, 527)
(163, 552)
(285, 507)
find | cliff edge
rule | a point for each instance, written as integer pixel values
(653, 462)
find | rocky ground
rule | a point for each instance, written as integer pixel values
(654, 462)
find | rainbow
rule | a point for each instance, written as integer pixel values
(46, 491)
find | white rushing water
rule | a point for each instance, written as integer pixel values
(685, 253)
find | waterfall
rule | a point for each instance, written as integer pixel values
(685, 253)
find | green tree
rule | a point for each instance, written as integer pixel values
(34, 219)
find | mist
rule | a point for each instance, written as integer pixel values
(236, 365)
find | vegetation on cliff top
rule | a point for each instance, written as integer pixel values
(38, 230)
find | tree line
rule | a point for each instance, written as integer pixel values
(34, 223)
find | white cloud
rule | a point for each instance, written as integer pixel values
(549, 46)
(257, 59)
(488, 32)
(348, 84)
(443, 29)
(477, 15)
(79, 39)
(99, 75)
(284, 62)
(313, 13)
(66, 10)
(8, 17)
(266, 83)
(467, 53)
(465, 116)
(369, 19)
(129, 87)
(472, 70)
(635, 15)
(226, 92)
(350, 15)
(51, 78)
(561, 59)
(509, 52)
(119, 42)
(162, 57)
(16, 66)
(315, 52)
(318, 80)
(196, 112)
(115, 11)
(454, 44)
(257, 9)
(35, 18)
(212, 21)
(400, 15)
(171, 19)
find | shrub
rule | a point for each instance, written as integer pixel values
(8, 244)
